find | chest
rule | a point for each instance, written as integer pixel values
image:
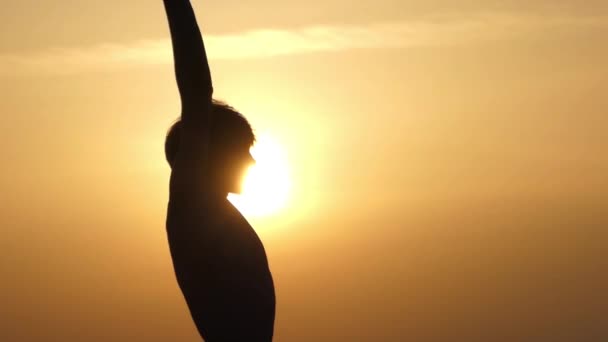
(203, 236)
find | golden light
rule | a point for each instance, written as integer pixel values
(267, 184)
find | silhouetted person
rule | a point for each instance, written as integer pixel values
(219, 261)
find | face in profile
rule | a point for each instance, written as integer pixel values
(231, 168)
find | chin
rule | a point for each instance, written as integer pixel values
(236, 191)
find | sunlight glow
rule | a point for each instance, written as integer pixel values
(267, 184)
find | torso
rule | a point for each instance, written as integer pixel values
(223, 272)
(206, 239)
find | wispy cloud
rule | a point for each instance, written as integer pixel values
(263, 43)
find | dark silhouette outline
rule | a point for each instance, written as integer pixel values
(219, 261)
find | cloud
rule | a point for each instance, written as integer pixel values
(264, 43)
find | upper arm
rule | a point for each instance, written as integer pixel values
(190, 169)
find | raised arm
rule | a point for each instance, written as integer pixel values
(191, 65)
(195, 88)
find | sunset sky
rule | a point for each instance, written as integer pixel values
(447, 161)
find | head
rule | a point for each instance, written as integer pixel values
(231, 137)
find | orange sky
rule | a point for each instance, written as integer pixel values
(448, 158)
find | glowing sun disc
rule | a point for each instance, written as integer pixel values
(267, 183)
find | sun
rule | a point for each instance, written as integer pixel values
(267, 184)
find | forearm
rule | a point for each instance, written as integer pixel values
(191, 64)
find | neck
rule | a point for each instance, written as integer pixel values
(216, 196)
